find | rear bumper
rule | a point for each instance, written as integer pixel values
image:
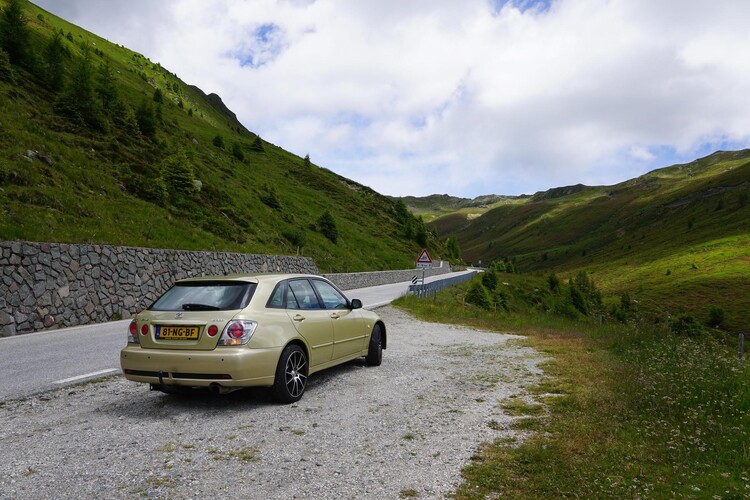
(229, 367)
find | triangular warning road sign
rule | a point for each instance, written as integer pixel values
(424, 257)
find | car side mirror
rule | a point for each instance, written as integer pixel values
(356, 304)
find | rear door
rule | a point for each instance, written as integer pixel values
(310, 319)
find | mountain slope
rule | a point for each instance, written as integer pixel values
(678, 238)
(99, 144)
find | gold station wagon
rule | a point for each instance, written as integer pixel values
(229, 332)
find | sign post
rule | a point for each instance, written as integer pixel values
(424, 262)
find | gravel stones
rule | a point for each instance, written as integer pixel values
(359, 432)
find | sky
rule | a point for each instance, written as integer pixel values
(459, 97)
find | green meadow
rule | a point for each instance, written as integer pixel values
(626, 409)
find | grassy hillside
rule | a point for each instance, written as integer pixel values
(440, 205)
(99, 144)
(676, 239)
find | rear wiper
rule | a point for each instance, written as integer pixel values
(199, 307)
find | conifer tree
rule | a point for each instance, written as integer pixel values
(146, 118)
(6, 71)
(327, 226)
(54, 61)
(106, 85)
(178, 175)
(14, 34)
(79, 100)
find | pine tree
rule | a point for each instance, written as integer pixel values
(106, 85)
(54, 59)
(14, 34)
(257, 144)
(6, 70)
(453, 248)
(178, 175)
(79, 99)
(237, 151)
(327, 226)
(421, 232)
(146, 118)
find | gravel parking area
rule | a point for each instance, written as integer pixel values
(406, 427)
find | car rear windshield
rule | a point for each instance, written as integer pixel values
(205, 296)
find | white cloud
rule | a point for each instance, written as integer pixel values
(465, 97)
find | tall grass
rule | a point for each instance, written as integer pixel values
(634, 411)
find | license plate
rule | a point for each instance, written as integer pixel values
(177, 332)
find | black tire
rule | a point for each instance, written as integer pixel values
(291, 375)
(375, 350)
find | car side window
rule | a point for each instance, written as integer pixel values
(277, 297)
(332, 298)
(291, 300)
(303, 294)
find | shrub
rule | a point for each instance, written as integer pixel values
(687, 325)
(554, 283)
(269, 197)
(257, 144)
(6, 71)
(296, 237)
(618, 313)
(565, 308)
(237, 151)
(327, 226)
(478, 295)
(578, 301)
(716, 316)
(489, 280)
(177, 173)
(626, 303)
(218, 142)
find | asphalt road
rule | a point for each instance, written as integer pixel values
(37, 362)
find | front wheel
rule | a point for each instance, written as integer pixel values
(375, 351)
(291, 375)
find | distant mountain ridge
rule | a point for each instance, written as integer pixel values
(678, 235)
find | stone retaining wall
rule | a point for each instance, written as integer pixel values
(53, 285)
(48, 285)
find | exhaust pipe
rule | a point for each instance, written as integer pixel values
(216, 388)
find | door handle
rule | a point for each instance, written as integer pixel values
(298, 317)
(335, 315)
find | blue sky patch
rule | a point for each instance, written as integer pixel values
(263, 44)
(522, 5)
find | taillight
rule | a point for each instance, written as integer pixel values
(213, 330)
(133, 333)
(237, 332)
(144, 330)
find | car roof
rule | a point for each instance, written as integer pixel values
(250, 277)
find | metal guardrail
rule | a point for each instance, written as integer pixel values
(427, 289)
